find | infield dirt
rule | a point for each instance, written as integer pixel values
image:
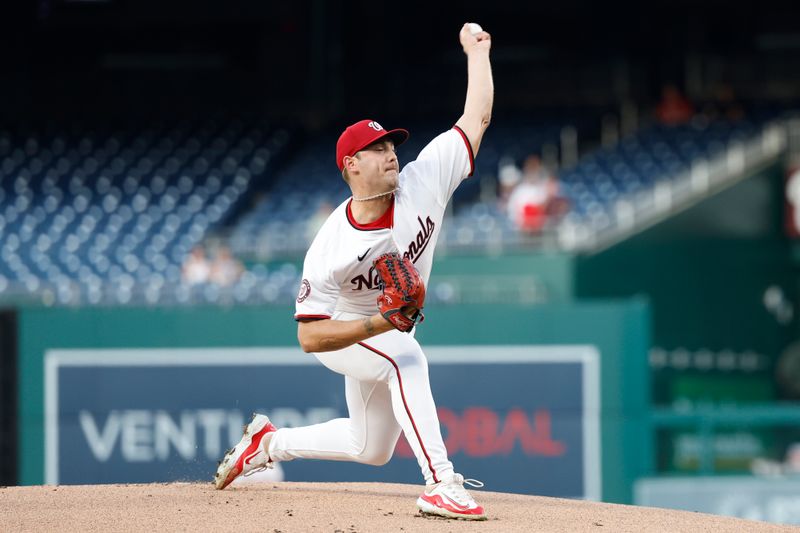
(324, 507)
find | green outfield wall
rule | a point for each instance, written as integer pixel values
(620, 330)
(553, 273)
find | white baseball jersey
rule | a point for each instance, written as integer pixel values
(338, 277)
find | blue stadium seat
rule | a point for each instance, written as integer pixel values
(97, 217)
(104, 216)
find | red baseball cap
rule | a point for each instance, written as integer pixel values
(360, 135)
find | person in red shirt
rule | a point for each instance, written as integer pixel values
(674, 108)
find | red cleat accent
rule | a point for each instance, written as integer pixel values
(247, 456)
(451, 500)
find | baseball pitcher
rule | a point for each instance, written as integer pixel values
(378, 246)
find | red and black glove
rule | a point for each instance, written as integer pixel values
(402, 291)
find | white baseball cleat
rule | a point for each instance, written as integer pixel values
(248, 456)
(449, 498)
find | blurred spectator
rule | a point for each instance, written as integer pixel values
(674, 108)
(196, 269)
(225, 269)
(529, 204)
(508, 177)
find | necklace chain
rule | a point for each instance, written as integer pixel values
(374, 196)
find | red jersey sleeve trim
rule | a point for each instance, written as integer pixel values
(469, 150)
(303, 318)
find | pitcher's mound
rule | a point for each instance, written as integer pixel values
(324, 507)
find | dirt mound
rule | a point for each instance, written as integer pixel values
(328, 507)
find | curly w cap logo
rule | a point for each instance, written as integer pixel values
(375, 126)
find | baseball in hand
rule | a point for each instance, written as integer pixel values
(474, 28)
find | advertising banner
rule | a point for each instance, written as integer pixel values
(522, 419)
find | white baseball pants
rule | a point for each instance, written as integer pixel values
(387, 390)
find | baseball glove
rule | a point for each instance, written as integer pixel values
(402, 291)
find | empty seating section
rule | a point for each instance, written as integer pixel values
(639, 161)
(600, 178)
(107, 217)
(278, 223)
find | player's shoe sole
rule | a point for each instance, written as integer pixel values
(236, 460)
(436, 505)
